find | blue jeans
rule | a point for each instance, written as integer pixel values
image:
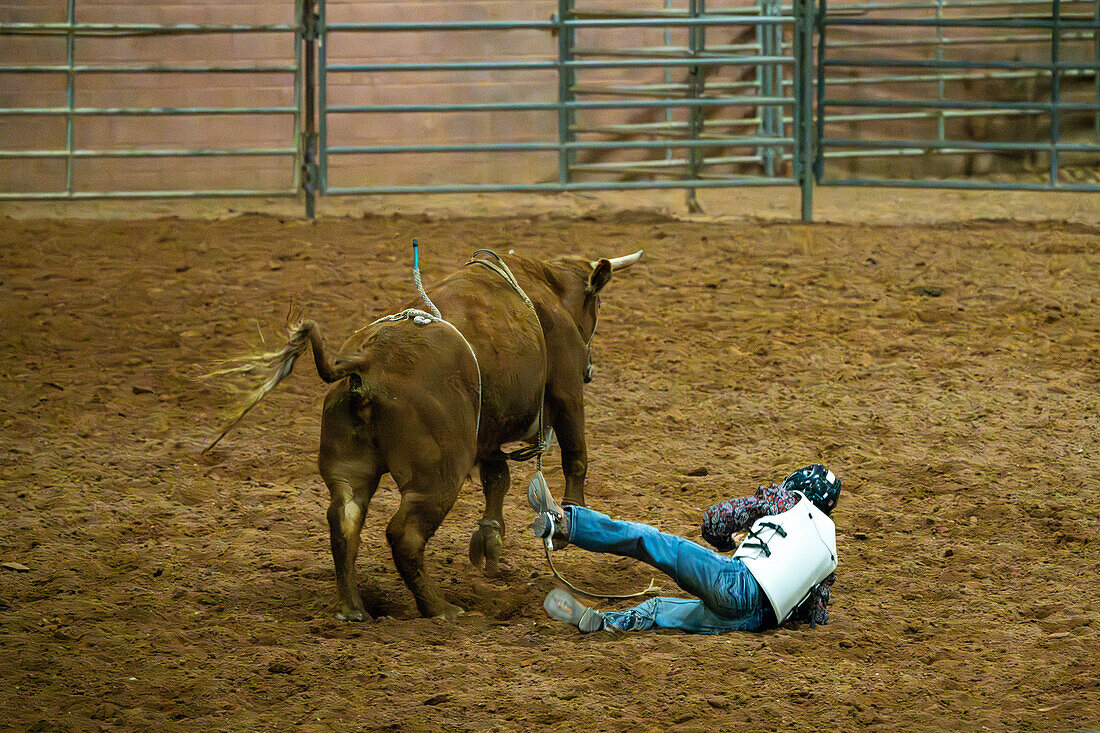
(730, 599)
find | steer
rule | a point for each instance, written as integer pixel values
(425, 399)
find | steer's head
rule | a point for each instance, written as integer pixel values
(578, 282)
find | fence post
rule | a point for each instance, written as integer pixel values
(307, 141)
(803, 117)
(696, 85)
(820, 13)
(566, 80)
(769, 80)
(1096, 58)
(70, 96)
(1055, 87)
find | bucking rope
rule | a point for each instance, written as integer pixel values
(500, 267)
(539, 449)
(653, 589)
(432, 315)
(420, 285)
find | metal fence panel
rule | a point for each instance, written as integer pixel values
(90, 140)
(993, 94)
(681, 98)
(561, 96)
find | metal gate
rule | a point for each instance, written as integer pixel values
(711, 101)
(921, 93)
(76, 132)
(992, 94)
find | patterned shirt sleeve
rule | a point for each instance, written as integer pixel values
(738, 515)
(814, 609)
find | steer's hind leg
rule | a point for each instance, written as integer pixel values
(487, 542)
(424, 503)
(350, 492)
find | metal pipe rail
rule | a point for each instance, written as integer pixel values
(864, 93)
(551, 146)
(590, 110)
(73, 32)
(112, 30)
(555, 65)
(853, 8)
(902, 100)
(666, 103)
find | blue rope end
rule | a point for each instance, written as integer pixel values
(416, 255)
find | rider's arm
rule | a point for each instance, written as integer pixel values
(738, 515)
(815, 608)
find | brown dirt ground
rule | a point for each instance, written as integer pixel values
(948, 372)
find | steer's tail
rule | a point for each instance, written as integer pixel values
(278, 364)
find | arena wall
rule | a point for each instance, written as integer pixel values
(239, 89)
(272, 131)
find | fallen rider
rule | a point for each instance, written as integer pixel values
(782, 571)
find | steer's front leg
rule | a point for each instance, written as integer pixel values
(567, 419)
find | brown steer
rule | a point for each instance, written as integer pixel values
(425, 400)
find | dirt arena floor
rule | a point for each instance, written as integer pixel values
(949, 373)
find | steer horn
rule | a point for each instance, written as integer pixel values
(621, 263)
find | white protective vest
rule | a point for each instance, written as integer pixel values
(794, 563)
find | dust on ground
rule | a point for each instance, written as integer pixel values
(948, 372)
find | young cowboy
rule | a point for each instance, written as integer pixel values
(782, 571)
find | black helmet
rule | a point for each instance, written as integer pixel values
(819, 484)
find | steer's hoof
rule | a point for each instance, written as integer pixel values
(349, 615)
(486, 546)
(477, 549)
(450, 613)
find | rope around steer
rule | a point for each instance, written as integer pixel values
(500, 267)
(422, 318)
(539, 449)
(653, 589)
